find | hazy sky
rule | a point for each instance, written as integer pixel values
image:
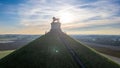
(77, 16)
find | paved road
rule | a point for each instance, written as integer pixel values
(71, 51)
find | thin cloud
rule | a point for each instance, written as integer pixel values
(94, 14)
(38, 13)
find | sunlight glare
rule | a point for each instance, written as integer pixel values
(66, 17)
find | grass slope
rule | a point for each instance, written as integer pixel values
(44, 52)
(48, 51)
(90, 57)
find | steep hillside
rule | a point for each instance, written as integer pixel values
(44, 52)
(54, 50)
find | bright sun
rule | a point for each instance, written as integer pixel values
(66, 17)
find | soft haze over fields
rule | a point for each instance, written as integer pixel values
(77, 16)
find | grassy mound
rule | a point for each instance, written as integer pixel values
(89, 57)
(48, 51)
(44, 52)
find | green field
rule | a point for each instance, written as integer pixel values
(107, 51)
(48, 51)
(5, 53)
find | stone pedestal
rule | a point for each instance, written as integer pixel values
(55, 25)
